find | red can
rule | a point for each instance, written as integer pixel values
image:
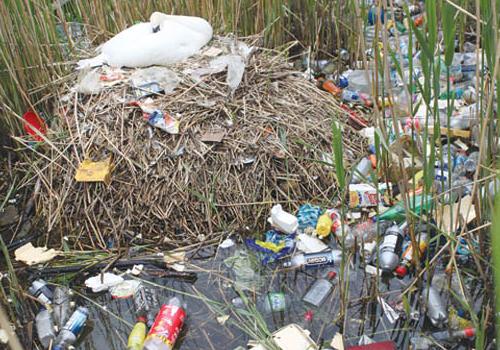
(168, 324)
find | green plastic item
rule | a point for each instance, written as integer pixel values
(397, 212)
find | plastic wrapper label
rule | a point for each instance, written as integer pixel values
(168, 324)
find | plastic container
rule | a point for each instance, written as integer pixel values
(274, 302)
(283, 221)
(362, 170)
(436, 310)
(69, 333)
(311, 260)
(318, 292)
(137, 335)
(324, 225)
(146, 304)
(61, 306)
(167, 326)
(407, 257)
(41, 291)
(45, 328)
(418, 204)
(390, 248)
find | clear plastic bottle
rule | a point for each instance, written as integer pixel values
(311, 260)
(61, 306)
(167, 326)
(146, 303)
(274, 302)
(436, 310)
(45, 328)
(361, 171)
(471, 162)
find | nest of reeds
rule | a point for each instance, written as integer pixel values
(180, 189)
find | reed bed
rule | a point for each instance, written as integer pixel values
(177, 189)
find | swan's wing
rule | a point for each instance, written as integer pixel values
(128, 36)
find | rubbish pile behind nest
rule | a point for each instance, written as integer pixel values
(235, 155)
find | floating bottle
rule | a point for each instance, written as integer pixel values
(436, 310)
(69, 333)
(319, 291)
(274, 302)
(467, 333)
(41, 291)
(146, 303)
(167, 326)
(137, 335)
(407, 260)
(418, 205)
(311, 260)
(390, 248)
(324, 225)
(61, 306)
(361, 171)
(45, 328)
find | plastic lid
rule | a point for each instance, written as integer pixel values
(469, 332)
(401, 271)
(331, 275)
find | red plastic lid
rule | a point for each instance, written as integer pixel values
(469, 332)
(34, 122)
(401, 271)
(331, 275)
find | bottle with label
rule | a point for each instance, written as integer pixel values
(167, 326)
(45, 328)
(311, 260)
(137, 335)
(146, 303)
(69, 333)
(390, 248)
(274, 302)
(407, 259)
(418, 205)
(40, 290)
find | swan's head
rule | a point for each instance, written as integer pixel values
(156, 20)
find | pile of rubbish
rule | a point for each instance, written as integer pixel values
(233, 140)
(178, 154)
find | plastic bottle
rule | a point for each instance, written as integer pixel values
(45, 328)
(311, 260)
(318, 292)
(436, 310)
(350, 96)
(390, 248)
(137, 335)
(324, 225)
(467, 333)
(418, 204)
(407, 260)
(274, 302)
(471, 162)
(40, 290)
(146, 304)
(361, 171)
(283, 221)
(61, 306)
(167, 326)
(69, 333)
(330, 86)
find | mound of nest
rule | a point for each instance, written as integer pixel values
(236, 154)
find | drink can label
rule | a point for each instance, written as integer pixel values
(168, 324)
(277, 301)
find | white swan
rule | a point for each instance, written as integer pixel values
(162, 41)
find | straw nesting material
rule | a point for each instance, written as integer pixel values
(180, 189)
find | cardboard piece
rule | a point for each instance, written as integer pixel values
(460, 210)
(90, 171)
(213, 136)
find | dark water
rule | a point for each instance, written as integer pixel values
(202, 331)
